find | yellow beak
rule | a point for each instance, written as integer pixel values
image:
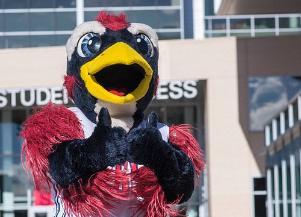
(119, 53)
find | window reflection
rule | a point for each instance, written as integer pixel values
(148, 17)
(289, 22)
(33, 41)
(16, 22)
(240, 23)
(42, 21)
(218, 24)
(1, 22)
(264, 23)
(157, 19)
(15, 4)
(65, 3)
(65, 20)
(120, 3)
(61, 39)
(42, 40)
(268, 96)
(41, 4)
(16, 41)
(1, 42)
(169, 35)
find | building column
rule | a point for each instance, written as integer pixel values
(80, 13)
(269, 197)
(198, 19)
(293, 184)
(284, 188)
(276, 191)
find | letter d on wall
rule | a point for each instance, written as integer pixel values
(43, 96)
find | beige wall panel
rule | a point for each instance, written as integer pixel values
(29, 67)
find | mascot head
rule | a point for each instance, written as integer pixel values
(112, 63)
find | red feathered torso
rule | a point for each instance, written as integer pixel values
(127, 188)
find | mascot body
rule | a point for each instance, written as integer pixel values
(102, 158)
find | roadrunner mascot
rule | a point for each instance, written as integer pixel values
(102, 157)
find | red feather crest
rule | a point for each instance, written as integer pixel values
(113, 22)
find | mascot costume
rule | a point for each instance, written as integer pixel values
(102, 158)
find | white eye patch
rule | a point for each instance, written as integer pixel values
(79, 31)
(136, 28)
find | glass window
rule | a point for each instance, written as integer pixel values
(16, 41)
(16, 22)
(41, 4)
(264, 23)
(15, 4)
(1, 22)
(122, 3)
(61, 39)
(20, 181)
(41, 21)
(271, 132)
(18, 117)
(280, 181)
(240, 23)
(65, 3)
(1, 41)
(286, 118)
(169, 19)
(90, 15)
(289, 22)
(42, 40)
(65, 20)
(218, 24)
(154, 18)
(207, 24)
(175, 115)
(107, 3)
(148, 17)
(10, 162)
(288, 180)
(259, 205)
(168, 35)
(272, 183)
(260, 184)
(278, 125)
(268, 96)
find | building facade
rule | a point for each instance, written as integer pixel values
(32, 23)
(283, 141)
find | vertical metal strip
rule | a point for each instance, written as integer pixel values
(276, 190)
(80, 12)
(269, 197)
(293, 184)
(284, 187)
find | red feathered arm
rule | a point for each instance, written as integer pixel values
(52, 125)
(180, 136)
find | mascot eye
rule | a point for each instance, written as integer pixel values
(89, 45)
(145, 45)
